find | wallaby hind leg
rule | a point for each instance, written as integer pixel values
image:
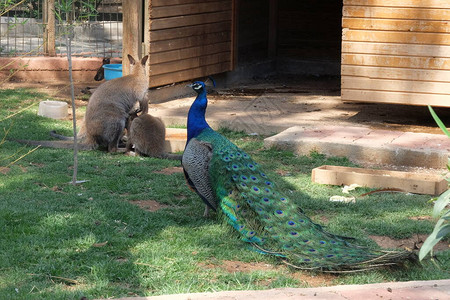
(114, 144)
(113, 132)
(116, 137)
(129, 146)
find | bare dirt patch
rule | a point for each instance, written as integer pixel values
(413, 243)
(421, 218)
(319, 98)
(4, 170)
(22, 168)
(150, 205)
(239, 266)
(283, 172)
(315, 280)
(320, 218)
(170, 171)
(232, 266)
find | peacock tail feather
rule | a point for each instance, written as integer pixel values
(268, 219)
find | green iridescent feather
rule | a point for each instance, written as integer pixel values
(272, 223)
(226, 178)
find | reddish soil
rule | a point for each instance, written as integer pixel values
(169, 171)
(239, 266)
(421, 218)
(232, 266)
(150, 205)
(4, 170)
(412, 243)
(315, 280)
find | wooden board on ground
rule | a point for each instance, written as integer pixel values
(418, 183)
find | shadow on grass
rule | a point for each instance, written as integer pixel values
(60, 241)
(82, 240)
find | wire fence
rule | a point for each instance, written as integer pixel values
(24, 30)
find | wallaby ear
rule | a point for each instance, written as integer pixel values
(144, 60)
(131, 59)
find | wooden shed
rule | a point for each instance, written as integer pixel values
(396, 51)
(391, 51)
(186, 39)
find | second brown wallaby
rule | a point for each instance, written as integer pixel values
(110, 106)
(148, 134)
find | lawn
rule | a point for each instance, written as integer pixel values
(134, 228)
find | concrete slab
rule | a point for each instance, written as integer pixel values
(314, 120)
(175, 139)
(412, 290)
(366, 146)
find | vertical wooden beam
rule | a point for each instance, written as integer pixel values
(132, 32)
(49, 34)
(146, 28)
(45, 24)
(273, 24)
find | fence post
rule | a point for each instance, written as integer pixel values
(132, 31)
(49, 21)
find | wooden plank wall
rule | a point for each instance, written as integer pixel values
(189, 39)
(396, 51)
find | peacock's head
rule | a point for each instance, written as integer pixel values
(197, 86)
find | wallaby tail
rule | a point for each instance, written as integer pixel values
(55, 144)
(60, 136)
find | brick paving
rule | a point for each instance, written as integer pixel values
(410, 290)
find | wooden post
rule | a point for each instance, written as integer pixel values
(146, 27)
(49, 34)
(132, 32)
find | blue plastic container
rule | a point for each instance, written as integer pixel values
(112, 71)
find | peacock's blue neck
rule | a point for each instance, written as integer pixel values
(196, 117)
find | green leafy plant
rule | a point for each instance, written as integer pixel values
(7, 5)
(442, 227)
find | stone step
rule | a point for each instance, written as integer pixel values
(366, 146)
(175, 139)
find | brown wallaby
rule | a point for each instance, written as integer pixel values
(82, 132)
(148, 134)
(67, 142)
(109, 108)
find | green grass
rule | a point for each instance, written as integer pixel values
(59, 241)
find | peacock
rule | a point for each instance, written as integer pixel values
(229, 181)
